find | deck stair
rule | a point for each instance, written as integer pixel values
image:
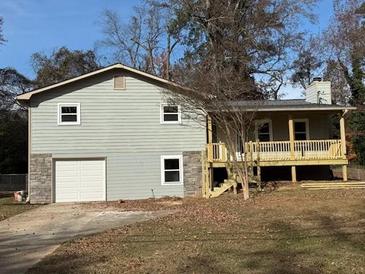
(334, 185)
(226, 185)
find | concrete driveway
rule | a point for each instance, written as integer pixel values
(28, 237)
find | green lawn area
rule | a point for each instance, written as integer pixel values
(288, 231)
(8, 207)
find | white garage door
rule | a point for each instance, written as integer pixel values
(79, 180)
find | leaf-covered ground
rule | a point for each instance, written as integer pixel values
(292, 231)
(8, 207)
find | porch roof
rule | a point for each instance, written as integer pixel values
(286, 105)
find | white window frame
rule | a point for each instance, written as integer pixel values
(181, 170)
(78, 112)
(260, 122)
(162, 121)
(306, 121)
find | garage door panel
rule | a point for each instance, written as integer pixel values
(90, 196)
(80, 180)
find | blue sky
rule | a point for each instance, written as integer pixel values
(43, 25)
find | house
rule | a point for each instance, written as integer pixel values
(112, 134)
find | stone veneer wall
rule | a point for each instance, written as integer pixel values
(192, 173)
(40, 178)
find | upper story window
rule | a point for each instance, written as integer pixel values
(170, 114)
(69, 114)
(119, 82)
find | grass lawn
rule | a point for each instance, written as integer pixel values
(8, 207)
(288, 231)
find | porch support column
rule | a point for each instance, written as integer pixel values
(210, 129)
(343, 146)
(343, 136)
(210, 153)
(294, 174)
(292, 155)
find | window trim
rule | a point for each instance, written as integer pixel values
(181, 170)
(306, 121)
(163, 122)
(263, 121)
(59, 114)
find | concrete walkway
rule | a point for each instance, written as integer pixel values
(28, 237)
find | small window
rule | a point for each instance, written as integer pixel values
(171, 170)
(68, 114)
(301, 130)
(170, 114)
(119, 82)
(263, 130)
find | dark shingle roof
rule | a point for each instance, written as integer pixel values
(283, 105)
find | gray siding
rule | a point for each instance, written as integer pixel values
(121, 125)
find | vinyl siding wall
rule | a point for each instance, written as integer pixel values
(121, 125)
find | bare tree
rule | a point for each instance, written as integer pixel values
(308, 62)
(13, 122)
(233, 49)
(2, 39)
(344, 40)
(341, 93)
(146, 42)
(12, 83)
(61, 65)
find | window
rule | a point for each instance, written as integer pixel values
(301, 130)
(119, 82)
(263, 130)
(170, 114)
(68, 114)
(171, 170)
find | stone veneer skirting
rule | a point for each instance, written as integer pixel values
(40, 178)
(192, 173)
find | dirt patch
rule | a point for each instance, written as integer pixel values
(9, 207)
(291, 231)
(165, 203)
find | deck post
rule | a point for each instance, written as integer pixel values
(210, 129)
(258, 168)
(204, 174)
(292, 153)
(344, 173)
(291, 137)
(293, 174)
(343, 137)
(343, 146)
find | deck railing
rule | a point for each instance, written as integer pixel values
(279, 150)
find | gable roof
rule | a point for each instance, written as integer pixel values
(28, 95)
(253, 105)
